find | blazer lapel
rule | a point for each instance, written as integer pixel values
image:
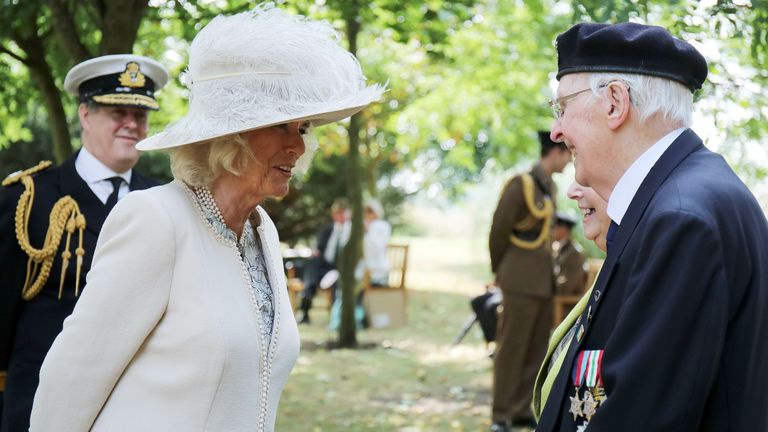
(686, 143)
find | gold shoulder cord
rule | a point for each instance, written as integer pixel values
(535, 215)
(65, 215)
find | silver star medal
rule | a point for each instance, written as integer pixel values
(576, 404)
(583, 427)
(590, 405)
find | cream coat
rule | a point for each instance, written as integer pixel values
(165, 336)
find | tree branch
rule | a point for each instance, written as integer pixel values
(64, 26)
(5, 50)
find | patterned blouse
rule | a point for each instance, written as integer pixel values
(253, 258)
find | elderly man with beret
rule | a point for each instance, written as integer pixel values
(673, 337)
(46, 249)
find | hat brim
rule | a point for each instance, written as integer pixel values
(162, 140)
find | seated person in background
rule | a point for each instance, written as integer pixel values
(596, 223)
(568, 259)
(375, 240)
(374, 263)
(331, 239)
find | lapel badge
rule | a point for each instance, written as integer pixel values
(132, 76)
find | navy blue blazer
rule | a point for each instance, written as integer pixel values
(680, 309)
(27, 329)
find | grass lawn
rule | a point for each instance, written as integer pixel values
(405, 379)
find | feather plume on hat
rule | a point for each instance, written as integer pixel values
(262, 68)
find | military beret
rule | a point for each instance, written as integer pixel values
(118, 80)
(629, 48)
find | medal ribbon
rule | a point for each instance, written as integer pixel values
(579, 368)
(594, 362)
(588, 369)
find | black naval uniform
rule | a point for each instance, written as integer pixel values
(28, 328)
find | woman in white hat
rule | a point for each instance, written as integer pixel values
(186, 324)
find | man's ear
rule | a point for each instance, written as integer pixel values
(84, 114)
(617, 95)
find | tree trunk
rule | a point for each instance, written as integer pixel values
(120, 25)
(66, 31)
(43, 77)
(352, 252)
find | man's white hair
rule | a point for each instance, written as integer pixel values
(651, 95)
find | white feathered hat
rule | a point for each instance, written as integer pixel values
(263, 68)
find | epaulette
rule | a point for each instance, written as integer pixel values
(16, 176)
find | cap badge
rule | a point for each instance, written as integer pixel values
(132, 76)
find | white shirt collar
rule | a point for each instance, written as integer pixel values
(95, 175)
(626, 188)
(93, 170)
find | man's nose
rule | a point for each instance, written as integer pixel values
(556, 134)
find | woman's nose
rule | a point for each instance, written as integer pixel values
(574, 191)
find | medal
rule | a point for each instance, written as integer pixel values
(578, 377)
(576, 404)
(599, 393)
(590, 405)
(583, 427)
(587, 370)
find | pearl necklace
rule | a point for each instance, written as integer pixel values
(206, 199)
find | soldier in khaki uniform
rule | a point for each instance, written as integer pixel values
(521, 258)
(569, 261)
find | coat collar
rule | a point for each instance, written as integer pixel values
(684, 145)
(543, 180)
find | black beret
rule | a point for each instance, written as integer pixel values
(629, 48)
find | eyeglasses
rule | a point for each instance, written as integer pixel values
(557, 104)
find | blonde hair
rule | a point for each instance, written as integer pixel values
(199, 164)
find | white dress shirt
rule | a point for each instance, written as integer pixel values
(96, 175)
(626, 188)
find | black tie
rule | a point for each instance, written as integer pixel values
(609, 237)
(116, 182)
